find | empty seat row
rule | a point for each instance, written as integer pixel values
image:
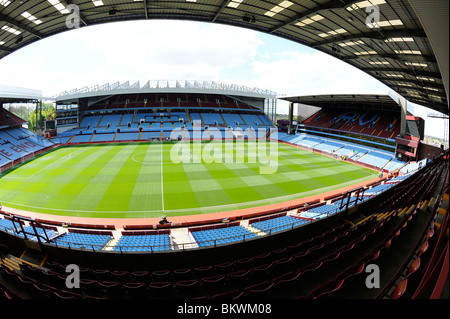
(277, 224)
(376, 159)
(324, 209)
(143, 243)
(377, 189)
(82, 240)
(221, 235)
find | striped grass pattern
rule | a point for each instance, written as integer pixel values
(137, 180)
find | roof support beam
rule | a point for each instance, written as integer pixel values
(402, 58)
(334, 4)
(145, 9)
(3, 48)
(424, 100)
(406, 71)
(20, 25)
(406, 90)
(416, 82)
(377, 35)
(222, 6)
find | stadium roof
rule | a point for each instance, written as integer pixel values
(324, 100)
(166, 86)
(13, 94)
(343, 98)
(407, 50)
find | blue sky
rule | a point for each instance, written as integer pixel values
(180, 50)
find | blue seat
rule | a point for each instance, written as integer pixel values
(221, 235)
(82, 240)
(278, 223)
(144, 242)
(109, 137)
(377, 189)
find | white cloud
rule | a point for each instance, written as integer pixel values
(166, 43)
(300, 73)
(157, 50)
(129, 51)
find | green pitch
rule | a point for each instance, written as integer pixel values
(142, 180)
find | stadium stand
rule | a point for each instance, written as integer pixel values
(110, 121)
(8, 119)
(329, 146)
(90, 122)
(7, 224)
(144, 241)
(272, 224)
(181, 111)
(324, 209)
(379, 124)
(81, 138)
(3, 160)
(363, 154)
(216, 235)
(16, 142)
(377, 189)
(86, 240)
(413, 166)
(212, 119)
(233, 120)
(107, 137)
(127, 137)
(376, 159)
(150, 135)
(394, 165)
(252, 120)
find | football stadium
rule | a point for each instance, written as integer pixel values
(196, 190)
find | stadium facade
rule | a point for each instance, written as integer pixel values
(161, 97)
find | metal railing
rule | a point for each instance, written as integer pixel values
(213, 242)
